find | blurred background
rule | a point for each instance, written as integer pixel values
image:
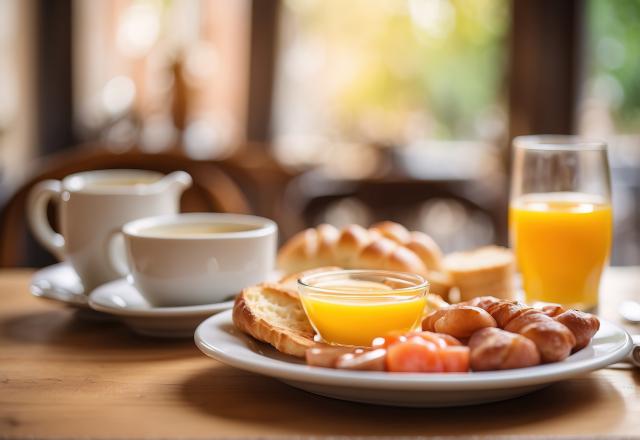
(311, 111)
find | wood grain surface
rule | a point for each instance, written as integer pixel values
(65, 376)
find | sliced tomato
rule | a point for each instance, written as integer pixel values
(389, 339)
(414, 356)
(440, 339)
(450, 340)
(455, 359)
(432, 337)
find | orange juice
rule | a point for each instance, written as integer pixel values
(562, 243)
(363, 313)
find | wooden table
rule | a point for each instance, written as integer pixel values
(62, 376)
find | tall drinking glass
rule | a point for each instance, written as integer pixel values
(560, 217)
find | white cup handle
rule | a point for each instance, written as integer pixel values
(37, 203)
(117, 254)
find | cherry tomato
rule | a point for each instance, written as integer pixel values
(455, 359)
(413, 356)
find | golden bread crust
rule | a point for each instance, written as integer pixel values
(386, 245)
(292, 339)
(427, 249)
(290, 281)
(484, 271)
(353, 238)
(393, 231)
(295, 253)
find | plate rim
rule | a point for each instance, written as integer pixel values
(289, 371)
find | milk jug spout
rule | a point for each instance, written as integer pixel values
(178, 182)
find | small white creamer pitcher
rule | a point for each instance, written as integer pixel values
(92, 206)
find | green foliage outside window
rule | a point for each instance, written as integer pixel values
(439, 63)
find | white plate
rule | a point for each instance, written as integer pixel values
(123, 300)
(59, 282)
(219, 339)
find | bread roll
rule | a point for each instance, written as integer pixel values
(392, 231)
(385, 245)
(427, 249)
(290, 281)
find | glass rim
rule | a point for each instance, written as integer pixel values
(558, 142)
(421, 282)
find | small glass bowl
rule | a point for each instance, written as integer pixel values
(352, 307)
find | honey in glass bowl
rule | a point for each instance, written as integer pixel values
(352, 307)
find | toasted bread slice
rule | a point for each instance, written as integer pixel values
(273, 315)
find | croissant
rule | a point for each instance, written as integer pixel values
(582, 325)
(551, 309)
(385, 245)
(495, 349)
(554, 340)
(458, 321)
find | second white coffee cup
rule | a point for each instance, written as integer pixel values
(195, 258)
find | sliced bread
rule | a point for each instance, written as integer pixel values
(484, 271)
(273, 315)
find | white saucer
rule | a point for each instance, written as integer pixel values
(121, 299)
(219, 339)
(60, 283)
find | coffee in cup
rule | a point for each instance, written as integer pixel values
(195, 258)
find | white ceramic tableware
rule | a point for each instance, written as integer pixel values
(218, 338)
(630, 310)
(196, 258)
(59, 282)
(94, 204)
(121, 299)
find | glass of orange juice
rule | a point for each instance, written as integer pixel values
(560, 217)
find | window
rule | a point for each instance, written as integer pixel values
(418, 85)
(610, 109)
(163, 73)
(388, 73)
(17, 120)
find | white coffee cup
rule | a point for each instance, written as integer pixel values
(195, 258)
(94, 204)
